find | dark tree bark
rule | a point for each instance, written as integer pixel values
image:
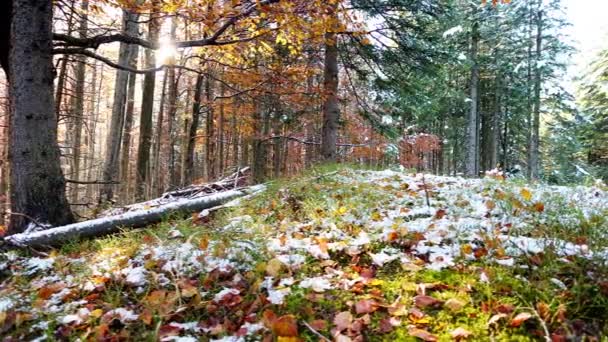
(210, 130)
(37, 182)
(534, 162)
(258, 148)
(188, 164)
(235, 142)
(185, 137)
(472, 148)
(331, 108)
(496, 120)
(277, 148)
(125, 157)
(147, 108)
(220, 135)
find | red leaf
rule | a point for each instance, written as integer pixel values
(366, 306)
(439, 214)
(268, 317)
(505, 308)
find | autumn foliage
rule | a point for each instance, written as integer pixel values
(418, 151)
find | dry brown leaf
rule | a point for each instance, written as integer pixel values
(520, 319)
(460, 333)
(422, 334)
(494, 319)
(505, 308)
(343, 320)
(426, 302)
(285, 326)
(319, 324)
(274, 267)
(543, 311)
(539, 207)
(490, 205)
(454, 304)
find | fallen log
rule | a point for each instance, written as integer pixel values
(236, 180)
(132, 219)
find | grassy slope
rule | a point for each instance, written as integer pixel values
(357, 255)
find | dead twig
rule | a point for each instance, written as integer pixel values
(31, 219)
(319, 335)
(426, 192)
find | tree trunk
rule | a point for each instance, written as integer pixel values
(185, 140)
(534, 161)
(472, 149)
(220, 135)
(78, 108)
(258, 149)
(158, 177)
(95, 104)
(277, 147)
(4, 161)
(209, 131)
(147, 108)
(37, 182)
(496, 120)
(188, 164)
(331, 108)
(63, 68)
(235, 142)
(530, 105)
(114, 138)
(128, 127)
(173, 82)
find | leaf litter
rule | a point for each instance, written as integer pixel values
(342, 262)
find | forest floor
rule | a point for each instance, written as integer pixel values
(342, 254)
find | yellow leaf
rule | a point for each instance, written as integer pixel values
(96, 313)
(526, 194)
(376, 216)
(376, 282)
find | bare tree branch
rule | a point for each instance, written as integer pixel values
(95, 41)
(89, 53)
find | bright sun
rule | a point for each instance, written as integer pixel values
(166, 54)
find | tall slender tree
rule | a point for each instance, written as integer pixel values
(147, 109)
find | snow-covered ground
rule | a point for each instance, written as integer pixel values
(418, 221)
